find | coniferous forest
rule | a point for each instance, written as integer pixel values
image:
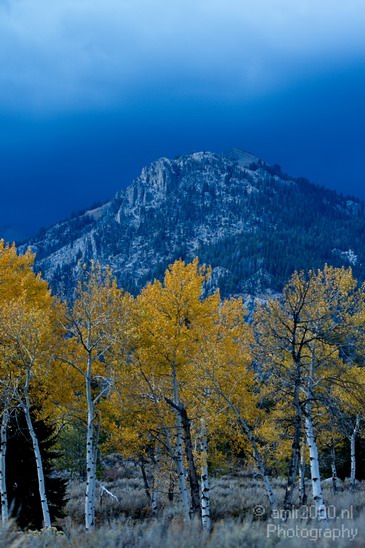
(252, 223)
(173, 417)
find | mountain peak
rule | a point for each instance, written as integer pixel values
(232, 210)
(243, 158)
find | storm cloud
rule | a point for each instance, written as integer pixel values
(92, 90)
(85, 53)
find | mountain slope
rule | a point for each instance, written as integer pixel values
(250, 221)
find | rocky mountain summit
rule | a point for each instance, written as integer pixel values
(253, 223)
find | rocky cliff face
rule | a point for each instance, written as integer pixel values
(250, 221)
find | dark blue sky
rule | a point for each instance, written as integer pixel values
(91, 92)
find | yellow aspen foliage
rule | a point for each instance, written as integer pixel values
(305, 344)
(223, 369)
(173, 319)
(95, 340)
(28, 337)
(28, 330)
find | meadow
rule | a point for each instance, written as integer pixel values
(239, 508)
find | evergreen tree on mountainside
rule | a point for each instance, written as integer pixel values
(252, 222)
(23, 492)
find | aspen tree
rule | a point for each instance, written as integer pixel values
(136, 427)
(204, 478)
(354, 433)
(346, 411)
(301, 481)
(91, 327)
(226, 365)
(30, 333)
(27, 335)
(302, 340)
(280, 345)
(172, 315)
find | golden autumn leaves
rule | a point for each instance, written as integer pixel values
(178, 379)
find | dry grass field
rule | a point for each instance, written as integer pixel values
(239, 510)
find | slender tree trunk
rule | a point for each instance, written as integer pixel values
(150, 490)
(154, 497)
(302, 493)
(334, 470)
(192, 473)
(90, 453)
(145, 480)
(314, 463)
(3, 446)
(38, 458)
(204, 479)
(267, 484)
(246, 430)
(170, 493)
(179, 457)
(295, 456)
(353, 452)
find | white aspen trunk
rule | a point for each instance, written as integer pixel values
(90, 453)
(179, 455)
(204, 481)
(3, 447)
(154, 492)
(150, 486)
(38, 460)
(301, 484)
(334, 470)
(96, 430)
(154, 498)
(314, 464)
(353, 452)
(268, 488)
(180, 467)
(295, 455)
